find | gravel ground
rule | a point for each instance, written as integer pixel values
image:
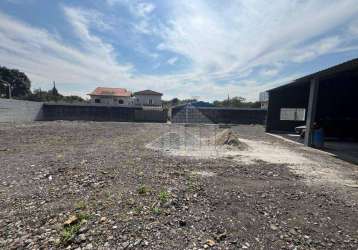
(86, 185)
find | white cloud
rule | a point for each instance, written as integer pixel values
(114, 2)
(353, 28)
(172, 60)
(143, 8)
(321, 47)
(270, 72)
(222, 42)
(136, 7)
(140, 10)
(143, 26)
(45, 58)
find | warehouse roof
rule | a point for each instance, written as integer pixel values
(346, 66)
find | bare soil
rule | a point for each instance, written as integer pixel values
(87, 185)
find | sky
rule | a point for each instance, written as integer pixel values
(207, 49)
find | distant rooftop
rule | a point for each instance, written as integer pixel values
(103, 91)
(147, 92)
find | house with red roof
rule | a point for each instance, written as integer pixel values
(111, 96)
(121, 96)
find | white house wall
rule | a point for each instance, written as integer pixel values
(110, 100)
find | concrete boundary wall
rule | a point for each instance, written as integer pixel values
(93, 112)
(19, 111)
(26, 111)
(150, 116)
(187, 114)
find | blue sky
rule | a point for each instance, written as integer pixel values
(203, 48)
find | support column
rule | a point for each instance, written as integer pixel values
(311, 110)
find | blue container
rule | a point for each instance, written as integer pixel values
(318, 138)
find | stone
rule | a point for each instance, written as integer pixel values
(89, 246)
(137, 242)
(210, 243)
(182, 223)
(220, 237)
(125, 244)
(71, 220)
(82, 237)
(293, 231)
(83, 229)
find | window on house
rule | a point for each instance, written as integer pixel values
(150, 101)
(292, 114)
(120, 101)
(97, 100)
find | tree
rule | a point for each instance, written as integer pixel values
(175, 101)
(236, 102)
(54, 90)
(52, 95)
(21, 88)
(37, 95)
(55, 96)
(20, 84)
(72, 99)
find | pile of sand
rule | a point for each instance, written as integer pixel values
(229, 138)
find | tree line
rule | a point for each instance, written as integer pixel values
(234, 102)
(16, 84)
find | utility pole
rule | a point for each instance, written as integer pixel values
(9, 91)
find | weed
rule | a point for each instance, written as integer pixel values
(80, 205)
(156, 210)
(164, 196)
(69, 233)
(142, 190)
(191, 183)
(138, 210)
(107, 194)
(83, 216)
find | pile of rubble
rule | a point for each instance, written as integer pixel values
(228, 137)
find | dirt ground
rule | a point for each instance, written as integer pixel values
(87, 185)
